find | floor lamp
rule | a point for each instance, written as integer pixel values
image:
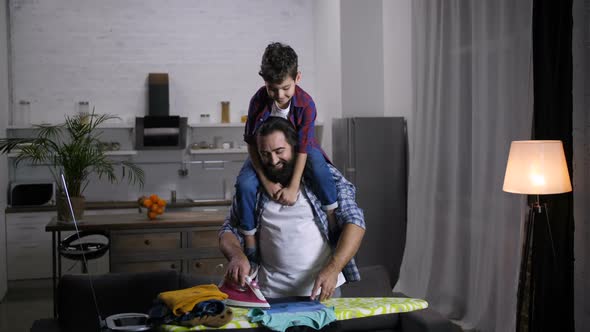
(534, 168)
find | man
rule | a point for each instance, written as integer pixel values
(296, 258)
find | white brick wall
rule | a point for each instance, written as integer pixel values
(65, 51)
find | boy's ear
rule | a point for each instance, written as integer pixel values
(298, 77)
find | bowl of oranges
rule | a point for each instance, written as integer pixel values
(155, 205)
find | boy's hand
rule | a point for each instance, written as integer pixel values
(272, 188)
(287, 195)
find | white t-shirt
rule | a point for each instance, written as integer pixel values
(292, 249)
(280, 112)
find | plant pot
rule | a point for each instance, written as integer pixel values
(63, 209)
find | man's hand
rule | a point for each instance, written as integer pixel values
(287, 195)
(237, 269)
(326, 280)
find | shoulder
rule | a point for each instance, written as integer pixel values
(260, 95)
(302, 98)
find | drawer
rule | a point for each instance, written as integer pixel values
(204, 239)
(175, 265)
(27, 233)
(28, 260)
(145, 241)
(208, 266)
(27, 227)
(41, 218)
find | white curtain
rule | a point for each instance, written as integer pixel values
(473, 87)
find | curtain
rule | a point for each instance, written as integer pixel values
(472, 76)
(553, 252)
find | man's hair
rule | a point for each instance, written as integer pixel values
(278, 61)
(275, 123)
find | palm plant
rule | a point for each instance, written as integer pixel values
(74, 149)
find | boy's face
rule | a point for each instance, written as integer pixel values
(282, 92)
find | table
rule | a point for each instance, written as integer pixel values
(191, 235)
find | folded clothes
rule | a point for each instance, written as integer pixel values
(212, 313)
(301, 313)
(183, 301)
(297, 306)
(209, 313)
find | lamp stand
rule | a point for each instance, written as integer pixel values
(526, 293)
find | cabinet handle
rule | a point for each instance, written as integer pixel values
(198, 265)
(147, 242)
(173, 266)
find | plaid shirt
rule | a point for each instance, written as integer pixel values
(302, 115)
(347, 213)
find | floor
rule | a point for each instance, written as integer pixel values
(24, 302)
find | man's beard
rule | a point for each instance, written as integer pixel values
(281, 175)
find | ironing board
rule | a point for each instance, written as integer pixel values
(344, 308)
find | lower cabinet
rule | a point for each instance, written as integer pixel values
(191, 250)
(147, 266)
(28, 248)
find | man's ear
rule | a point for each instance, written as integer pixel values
(298, 77)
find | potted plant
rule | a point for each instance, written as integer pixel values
(74, 149)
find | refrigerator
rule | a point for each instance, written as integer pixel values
(371, 152)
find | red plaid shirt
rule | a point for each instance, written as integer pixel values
(302, 115)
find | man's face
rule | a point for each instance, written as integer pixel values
(277, 157)
(282, 92)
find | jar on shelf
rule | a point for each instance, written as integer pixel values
(225, 112)
(22, 117)
(205, 118)
(84, 111)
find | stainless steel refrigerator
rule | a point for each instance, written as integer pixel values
(372, 154)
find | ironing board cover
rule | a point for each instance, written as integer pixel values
(344, 308)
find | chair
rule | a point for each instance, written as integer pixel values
(75, 248)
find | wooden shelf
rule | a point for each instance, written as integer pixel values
(121, 153)
(217, 125)
(108, 153)
(102, 126)
(217, 151)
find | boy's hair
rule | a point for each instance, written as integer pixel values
(278, 61)
(275, 123)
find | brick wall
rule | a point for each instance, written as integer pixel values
(101, 51)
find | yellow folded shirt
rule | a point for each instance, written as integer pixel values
(184, 300)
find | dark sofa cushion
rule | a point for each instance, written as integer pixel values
(115, 293)
(374, 283)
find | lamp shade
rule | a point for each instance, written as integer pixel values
(536, 168)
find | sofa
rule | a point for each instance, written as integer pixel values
(135, 292)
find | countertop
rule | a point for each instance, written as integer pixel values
(106, 205)
(140, 221)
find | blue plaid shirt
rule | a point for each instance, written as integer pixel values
(347, 213)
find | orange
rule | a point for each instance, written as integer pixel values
(154, 208)
(161, 202)
(147, 202)
(152, 215)
(154, 197)
(160, 210)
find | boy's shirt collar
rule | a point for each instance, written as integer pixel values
(295, 102)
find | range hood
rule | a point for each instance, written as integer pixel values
(159, 130)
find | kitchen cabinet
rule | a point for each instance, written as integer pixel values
(188, 249)
(184, 241)
(28, 246)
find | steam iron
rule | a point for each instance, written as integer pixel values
(248, 297)
(119, 322)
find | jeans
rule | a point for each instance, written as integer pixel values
(316, 173)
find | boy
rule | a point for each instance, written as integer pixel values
(281, 96)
